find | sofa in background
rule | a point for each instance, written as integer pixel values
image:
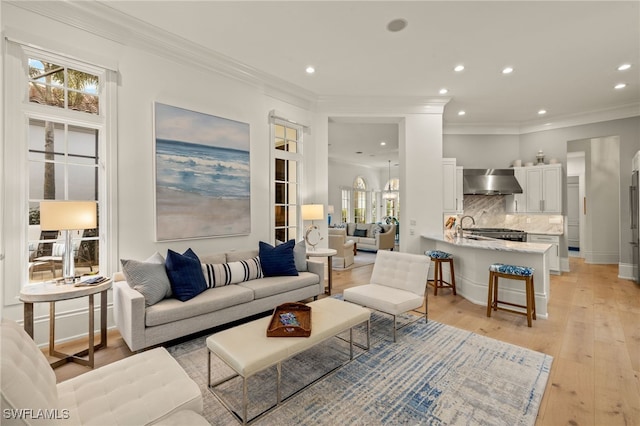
(372, 236)
(143, 325)
(143, 389)
(343, 247)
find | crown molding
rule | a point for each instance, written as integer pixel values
(597, 116)
(101, 20)
(560, 122)
(391, 105)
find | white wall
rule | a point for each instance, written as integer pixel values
(482, 151)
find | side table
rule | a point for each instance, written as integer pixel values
(52, 293)
(328, 253)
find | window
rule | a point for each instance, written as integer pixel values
(63, 165)
(287, 149)
(63, 87)
(359, 200)
(346, 205)
(58, 130)
(392, 205)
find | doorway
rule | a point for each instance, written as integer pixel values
(600, 205)
(575, 202)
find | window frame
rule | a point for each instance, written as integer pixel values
(298, 157)
(18, 113)
(360, 195)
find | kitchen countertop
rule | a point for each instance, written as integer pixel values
(559, 233)
(476, 241)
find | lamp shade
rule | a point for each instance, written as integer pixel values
(312, 212)
(330, 209)
(65, 215)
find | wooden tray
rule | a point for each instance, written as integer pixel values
(302, 313)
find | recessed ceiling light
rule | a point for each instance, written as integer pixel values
(459, 68)
(507, 70)
(461, 113)
(310, 70)
(620, 86)
(444, 91)
(383, 143)
(624, 67)
(358, 152)
(542, 112)
(397, 25)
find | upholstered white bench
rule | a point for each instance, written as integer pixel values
(247, 349)
(146, 388)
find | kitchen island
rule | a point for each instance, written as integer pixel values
(474, 254)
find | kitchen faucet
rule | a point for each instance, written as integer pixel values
(460, 228)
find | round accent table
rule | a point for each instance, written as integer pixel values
(328, 253)
(52, 293)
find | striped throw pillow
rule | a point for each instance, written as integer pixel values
(221, 274)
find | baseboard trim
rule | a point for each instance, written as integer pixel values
(627, 271)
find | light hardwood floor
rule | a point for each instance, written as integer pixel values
(593, 333)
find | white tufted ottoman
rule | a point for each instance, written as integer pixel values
(247, 349)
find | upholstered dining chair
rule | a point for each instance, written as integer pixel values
(398, 284)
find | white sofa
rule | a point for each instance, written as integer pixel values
(344, 248)
(372, 236)
(144, 326)
(143, 389)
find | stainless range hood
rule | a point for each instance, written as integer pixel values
(490, 182)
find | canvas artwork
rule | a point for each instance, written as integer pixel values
(202, 175)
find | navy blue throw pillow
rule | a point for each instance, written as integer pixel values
(360, 233)
(279, 260)
(185, 274)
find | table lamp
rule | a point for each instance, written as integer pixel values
(330, 211)
(312, 212)
(67, 216)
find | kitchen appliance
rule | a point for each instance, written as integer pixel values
(499, 233)
(634, 201)
(490, 182)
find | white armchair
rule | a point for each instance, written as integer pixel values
(143, 389)
(398, 285)
(338, 241)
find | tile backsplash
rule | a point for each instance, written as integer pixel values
(490, 212)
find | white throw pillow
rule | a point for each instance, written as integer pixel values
(221, 274)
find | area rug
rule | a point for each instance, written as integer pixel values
(433, 375)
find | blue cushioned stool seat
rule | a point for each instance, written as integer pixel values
(512, 272)
(523, 271)
(439, 257)
(438, 254)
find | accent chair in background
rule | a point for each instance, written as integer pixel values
(345, 252)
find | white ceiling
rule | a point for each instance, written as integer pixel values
(565, 54)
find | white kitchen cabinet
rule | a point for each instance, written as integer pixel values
(544, 189)
(451, 186)
(554, 252)
(517, 203)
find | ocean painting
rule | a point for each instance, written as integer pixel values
(202, 175)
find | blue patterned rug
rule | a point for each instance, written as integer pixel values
(434, 375)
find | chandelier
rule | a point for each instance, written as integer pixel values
(388, 194)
